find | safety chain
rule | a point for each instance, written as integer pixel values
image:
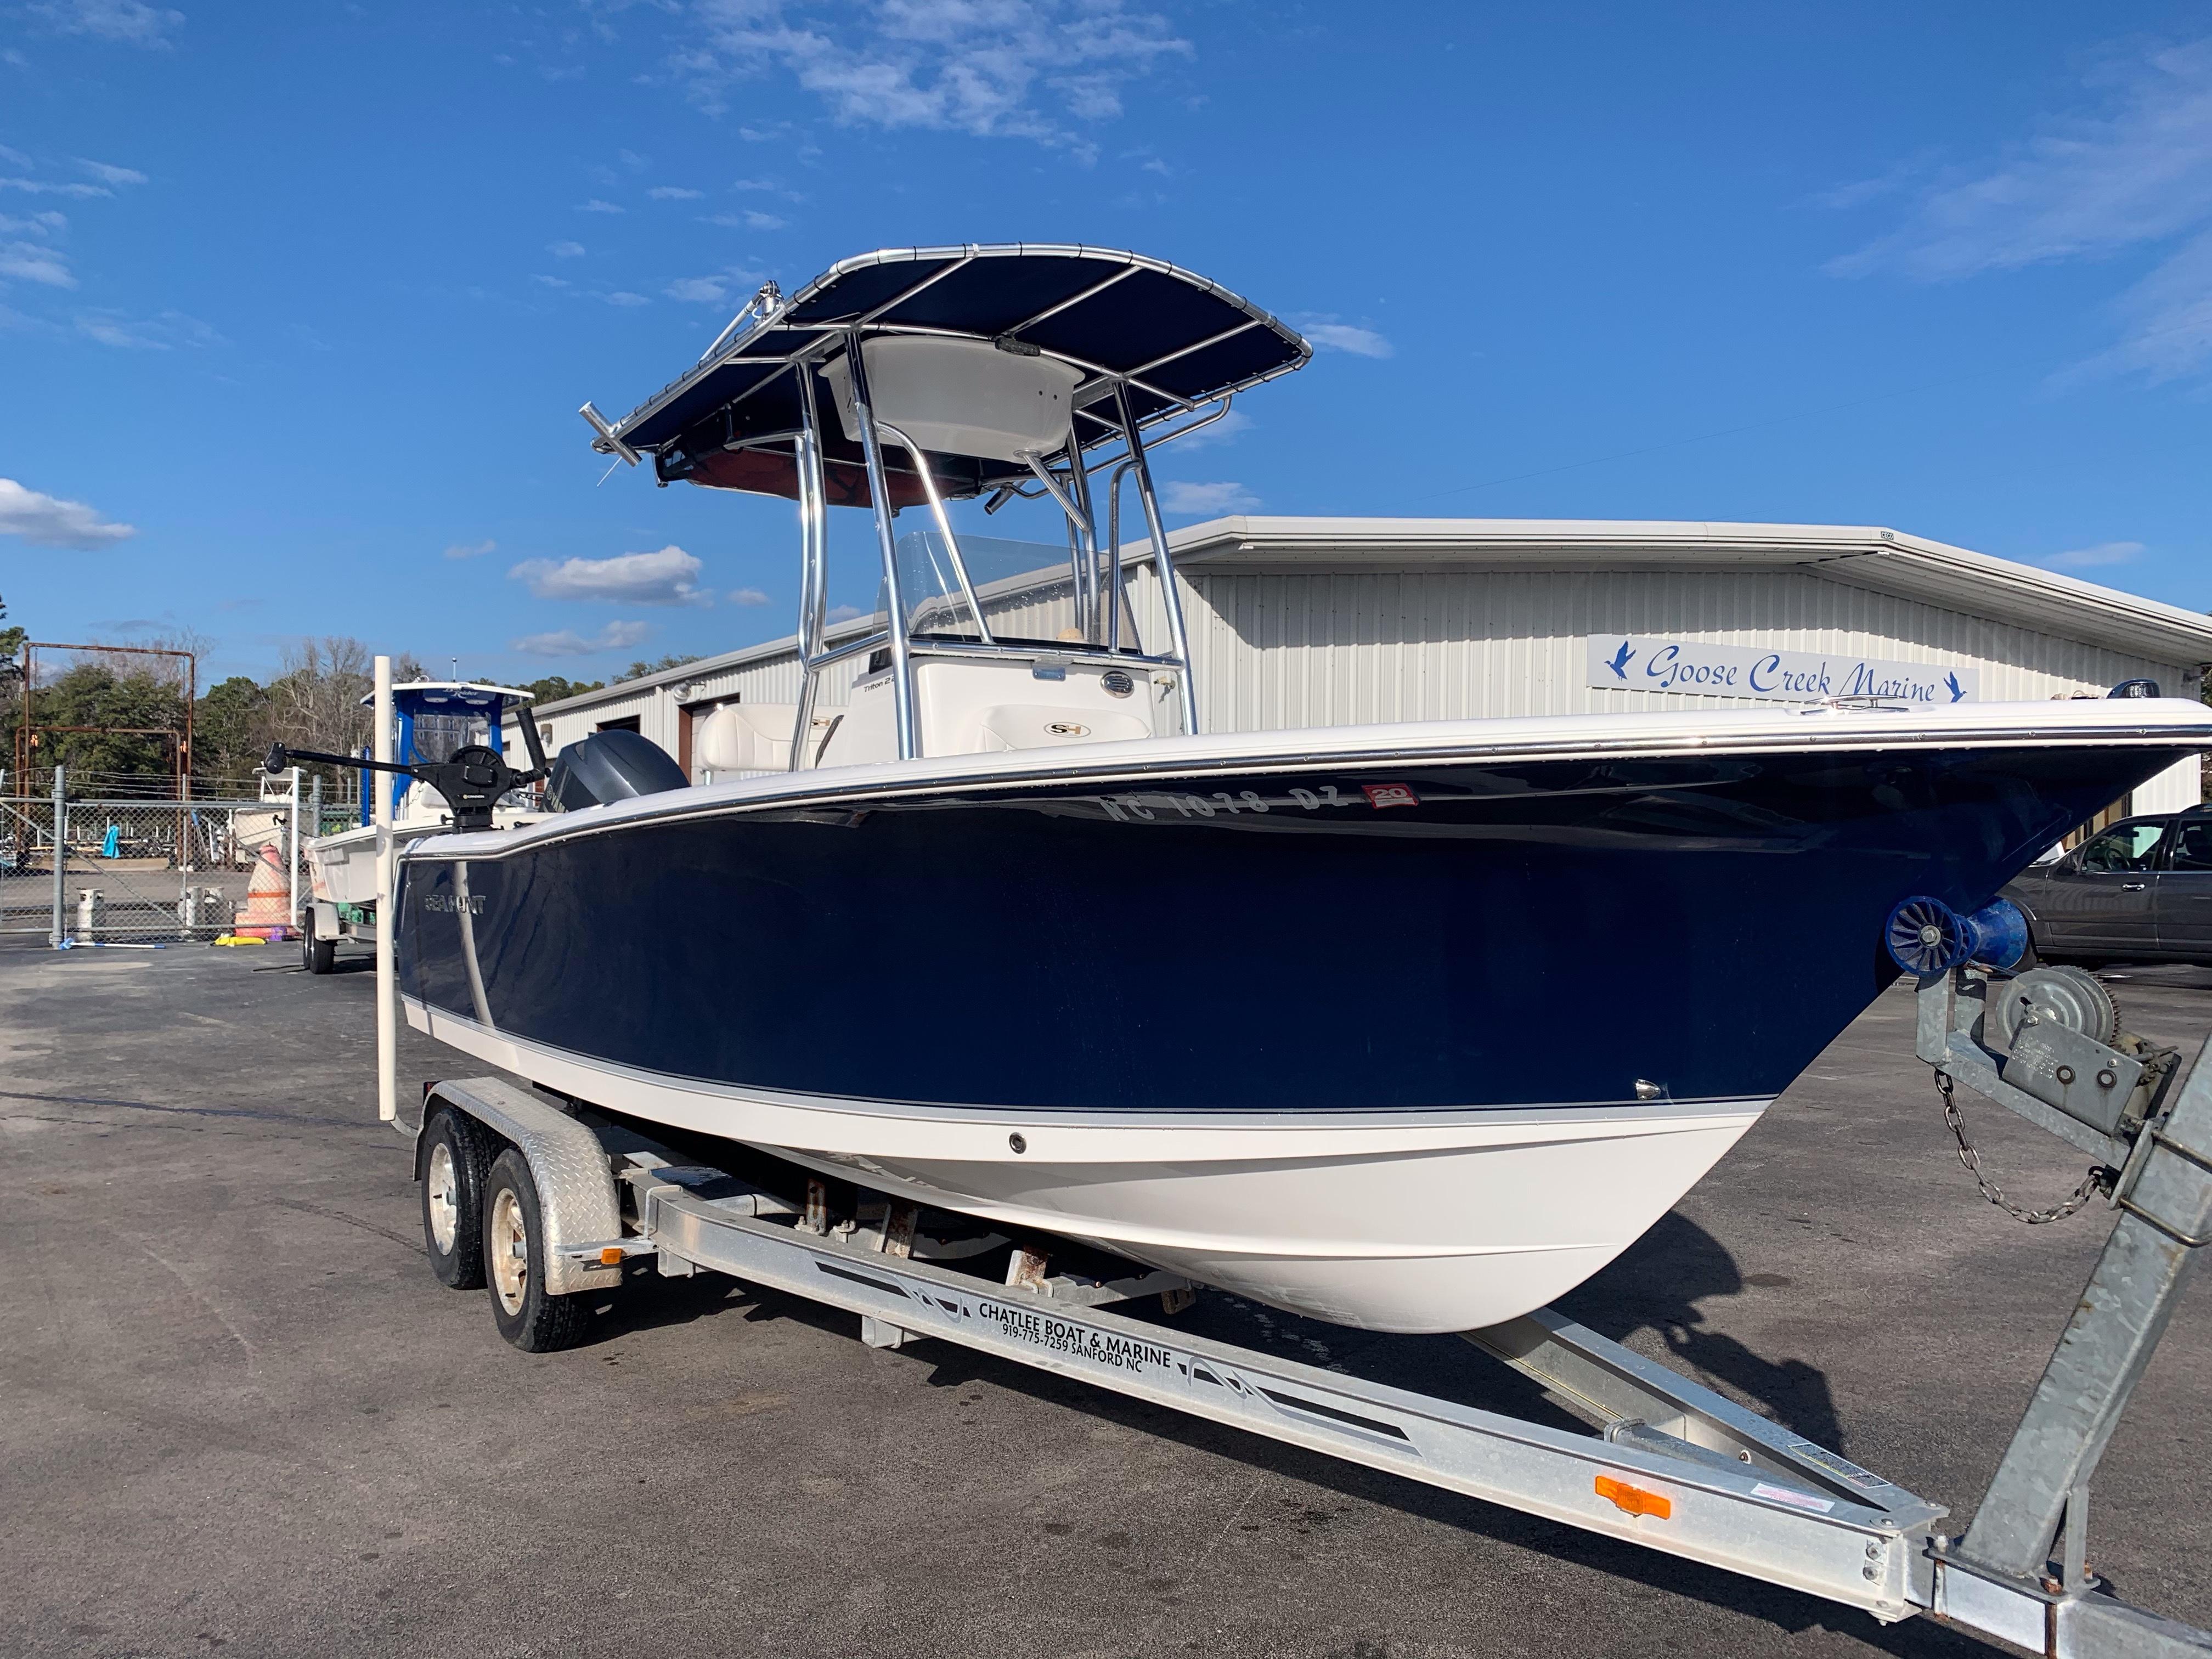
(2099, 1180)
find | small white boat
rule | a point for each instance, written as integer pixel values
(434, 720)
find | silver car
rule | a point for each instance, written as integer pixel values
(2139, 891)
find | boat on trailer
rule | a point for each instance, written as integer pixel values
(431, 721)
(1410, 1027)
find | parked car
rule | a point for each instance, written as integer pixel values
(2139, 891)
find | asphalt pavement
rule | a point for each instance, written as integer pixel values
(237, 1414)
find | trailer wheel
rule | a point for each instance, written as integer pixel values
(454, 1159)
(514, 1263)
(317, 955)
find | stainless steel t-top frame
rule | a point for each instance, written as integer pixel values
(1064, 475)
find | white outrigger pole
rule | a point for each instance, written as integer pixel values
(387, 984)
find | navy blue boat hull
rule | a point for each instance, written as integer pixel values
(1449, 937)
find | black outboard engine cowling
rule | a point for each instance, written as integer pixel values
(610, 766)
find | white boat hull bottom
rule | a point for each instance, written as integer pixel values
(1406, 1222)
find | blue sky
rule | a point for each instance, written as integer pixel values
(297, 302)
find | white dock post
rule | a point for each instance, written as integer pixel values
(387, 990)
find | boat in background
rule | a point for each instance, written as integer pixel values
(1409, 1027)
(434, 719)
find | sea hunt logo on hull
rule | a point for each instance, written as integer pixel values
(452, 904)
(1630, 662)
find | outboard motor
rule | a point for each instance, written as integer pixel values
(610, 766)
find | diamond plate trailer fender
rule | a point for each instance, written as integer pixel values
(576, 1195)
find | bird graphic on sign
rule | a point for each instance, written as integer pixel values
(1958, 691)
(1619, 662)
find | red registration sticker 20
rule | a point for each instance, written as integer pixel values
(1380, 795)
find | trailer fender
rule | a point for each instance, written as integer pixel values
(575, 1186)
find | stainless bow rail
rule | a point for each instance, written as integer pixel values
(1670, 1464)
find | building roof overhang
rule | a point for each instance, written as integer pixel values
(1859, 556)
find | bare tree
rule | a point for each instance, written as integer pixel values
(315, 701)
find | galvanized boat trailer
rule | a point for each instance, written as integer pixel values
(566, 1200)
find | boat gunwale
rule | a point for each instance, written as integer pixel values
(1357, 749)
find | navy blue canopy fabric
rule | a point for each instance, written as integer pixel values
(1178, 339)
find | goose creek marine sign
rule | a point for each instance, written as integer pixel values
(1629, 662)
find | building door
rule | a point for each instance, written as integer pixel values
(2184, 890)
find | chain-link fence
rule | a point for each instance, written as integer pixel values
(149, 871)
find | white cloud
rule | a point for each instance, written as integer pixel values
(838, 613)
(567, 642)
(755, 220)
(2137, 174)
(2168, 319)
(132, 22)
(1332, 336)
(550, 282)
(112, 175)
(1198, 500)
(623, 296)
(670, 576)
(595, 205)
(674, 193)
(1227, 429)
(990, 68)
(48, 521)
(2102, 553)
(698, 290)
(565, 250)
(162, 332)
(472, 550)
(44, 187)
(749, 596)
(735, 184)
(34, 262)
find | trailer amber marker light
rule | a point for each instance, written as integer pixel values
(1633, 1500)
(611, 1256)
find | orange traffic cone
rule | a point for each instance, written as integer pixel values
(268, 895)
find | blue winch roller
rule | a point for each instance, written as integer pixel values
(1927, 936)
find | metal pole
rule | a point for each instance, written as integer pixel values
(879, 495)
(55, 936)
(944, 529)
(387, 922)
(1162, 565)
(1078, 483)
(813, 562)
(294, 863)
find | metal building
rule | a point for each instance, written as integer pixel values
(1337, 622)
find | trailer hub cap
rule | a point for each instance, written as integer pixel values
(508, 1238)
(444, 1185)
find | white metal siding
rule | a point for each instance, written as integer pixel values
(1341, 649)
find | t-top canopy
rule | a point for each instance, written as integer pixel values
(451, 697)
(1174, 339)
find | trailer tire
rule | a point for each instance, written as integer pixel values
(452, 1164)
(514, 1263)
(317, 955)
